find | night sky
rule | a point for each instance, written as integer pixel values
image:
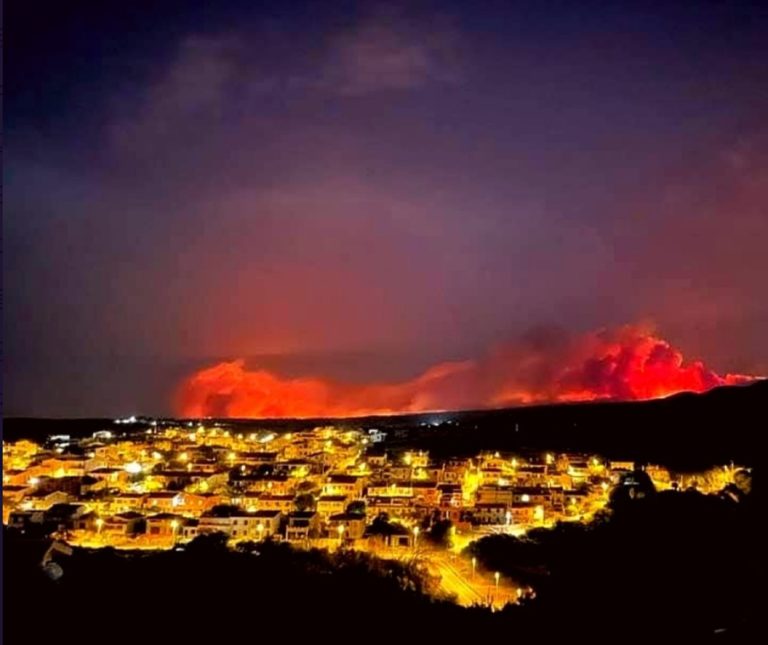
(360, 191)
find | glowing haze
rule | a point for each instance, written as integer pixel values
(345, 194)
(628, 363)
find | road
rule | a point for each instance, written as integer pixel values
(454, 581)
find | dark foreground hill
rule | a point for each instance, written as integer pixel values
(665, 568)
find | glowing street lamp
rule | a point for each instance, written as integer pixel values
(474, 567)
(99, 525)
(132, 468)
(496, 576)
(260, 529)
(340, 530)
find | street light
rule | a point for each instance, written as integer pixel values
(340, 529)
(99, 525)
(474, 567)
(260, 529)
(415, 536)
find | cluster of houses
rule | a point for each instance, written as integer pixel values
(169, 485)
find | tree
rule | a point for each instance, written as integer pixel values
(209, 543)
(440, 533)
(633, 486)
(743, 479)
(356, 508)
(304, 502)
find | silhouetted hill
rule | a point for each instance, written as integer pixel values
(682, 431)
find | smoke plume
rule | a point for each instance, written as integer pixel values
(623, 364)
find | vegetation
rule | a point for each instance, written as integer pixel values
(439, 533)
(305, 502)
(658, 567)
(210, 593)
(671, 563)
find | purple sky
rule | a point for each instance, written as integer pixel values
(363, 191)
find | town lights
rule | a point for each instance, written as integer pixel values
(496, 576)
(474, 566)
(133, 468)
(99, 524)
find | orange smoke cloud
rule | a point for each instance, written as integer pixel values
(628, 363)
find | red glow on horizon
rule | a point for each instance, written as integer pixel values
(625, 364)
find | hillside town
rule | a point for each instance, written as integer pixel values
(328, 486)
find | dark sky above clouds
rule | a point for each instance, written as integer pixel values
(359, 190)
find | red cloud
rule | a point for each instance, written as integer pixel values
(628, 363)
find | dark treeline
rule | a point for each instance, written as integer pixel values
(666, 565)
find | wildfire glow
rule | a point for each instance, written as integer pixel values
(628, 363)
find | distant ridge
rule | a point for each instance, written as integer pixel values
(686, 430)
